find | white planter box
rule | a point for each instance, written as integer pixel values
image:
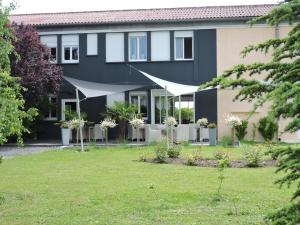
(65, 136)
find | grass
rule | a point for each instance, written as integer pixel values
(108, 186)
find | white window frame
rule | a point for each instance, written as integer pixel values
(71, 46)
(156, 93)
(51, 45)
(90, 43)
(183, 34)
(137, 35)
(139, 94)
(49, 116)
(63, 107)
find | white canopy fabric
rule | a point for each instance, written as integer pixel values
(93, 89)
(174, 88)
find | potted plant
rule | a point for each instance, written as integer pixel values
(202, 123)
(65, 132)
(170, 122)
(212, 128)
(105, 124)
(136, 123)
(233, 122)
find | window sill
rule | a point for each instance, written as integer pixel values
(66, 62)
(50, 119)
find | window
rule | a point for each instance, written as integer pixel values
(111, 99)
(70, 49)
(160, 46)
(68, 109)
(137, 46)
(115, 47)
(183, 45)
(92, 44)
(52, 108)
(185, 109)
(51, 42)
(139, 99)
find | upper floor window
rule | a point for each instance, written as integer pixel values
(183, 45)
(92, 44)
(51, 42)
(137, 46)
(115, 47)
(70, 48)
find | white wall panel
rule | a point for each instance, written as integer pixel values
(160, 46)
(115, 47)
(92, 44)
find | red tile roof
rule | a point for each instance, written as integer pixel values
(143, 15)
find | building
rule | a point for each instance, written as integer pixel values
(184, 45)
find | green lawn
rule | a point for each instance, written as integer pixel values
(108, 186)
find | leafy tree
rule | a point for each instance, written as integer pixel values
(12, 113)
(281, 88)
(32, 64)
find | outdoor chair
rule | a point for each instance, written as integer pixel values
(152, 135)
(181, 133)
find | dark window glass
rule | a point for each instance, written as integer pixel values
(53, 107)
(143, 106)
(75, 53)
(188, 48)
(53, 54)
(67, 53)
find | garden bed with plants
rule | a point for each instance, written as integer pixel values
(213, 162)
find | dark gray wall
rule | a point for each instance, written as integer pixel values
(194, 72)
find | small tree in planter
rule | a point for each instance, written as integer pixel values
(170, 122)
(105, 124)
(202, 123)
(233, 122)
(212, 128)
(136, 123)
(76, 124)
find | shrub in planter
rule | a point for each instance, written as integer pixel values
(254, 156)
(226, 141)
(241, 130)
(174, 151)
(267, 127)
(161, 150)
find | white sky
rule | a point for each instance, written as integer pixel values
(39, 6)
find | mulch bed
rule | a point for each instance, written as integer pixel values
(214, 163)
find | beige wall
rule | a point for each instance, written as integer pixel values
(230, 42)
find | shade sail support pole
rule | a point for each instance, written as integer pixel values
(166, 117)
(79, 118)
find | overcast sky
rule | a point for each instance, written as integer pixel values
(38, 6)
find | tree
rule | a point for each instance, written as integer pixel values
(32, 64)
(12, 113)
(281, 88)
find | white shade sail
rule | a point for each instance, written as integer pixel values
(93, 89)
(174, 88)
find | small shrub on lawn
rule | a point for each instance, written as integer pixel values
(193, 157)
(1, 159)
(254, 156)
(161, 150)
(220, 155)
(143, 157)
(174, 151)
(226, 141)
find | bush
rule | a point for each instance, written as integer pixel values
(267, 127)
(241, 130)
(174, 151)
(226, 141)
(254, 156)
(1, 159)
(221, 155)
(161, 150)
(193, 157)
